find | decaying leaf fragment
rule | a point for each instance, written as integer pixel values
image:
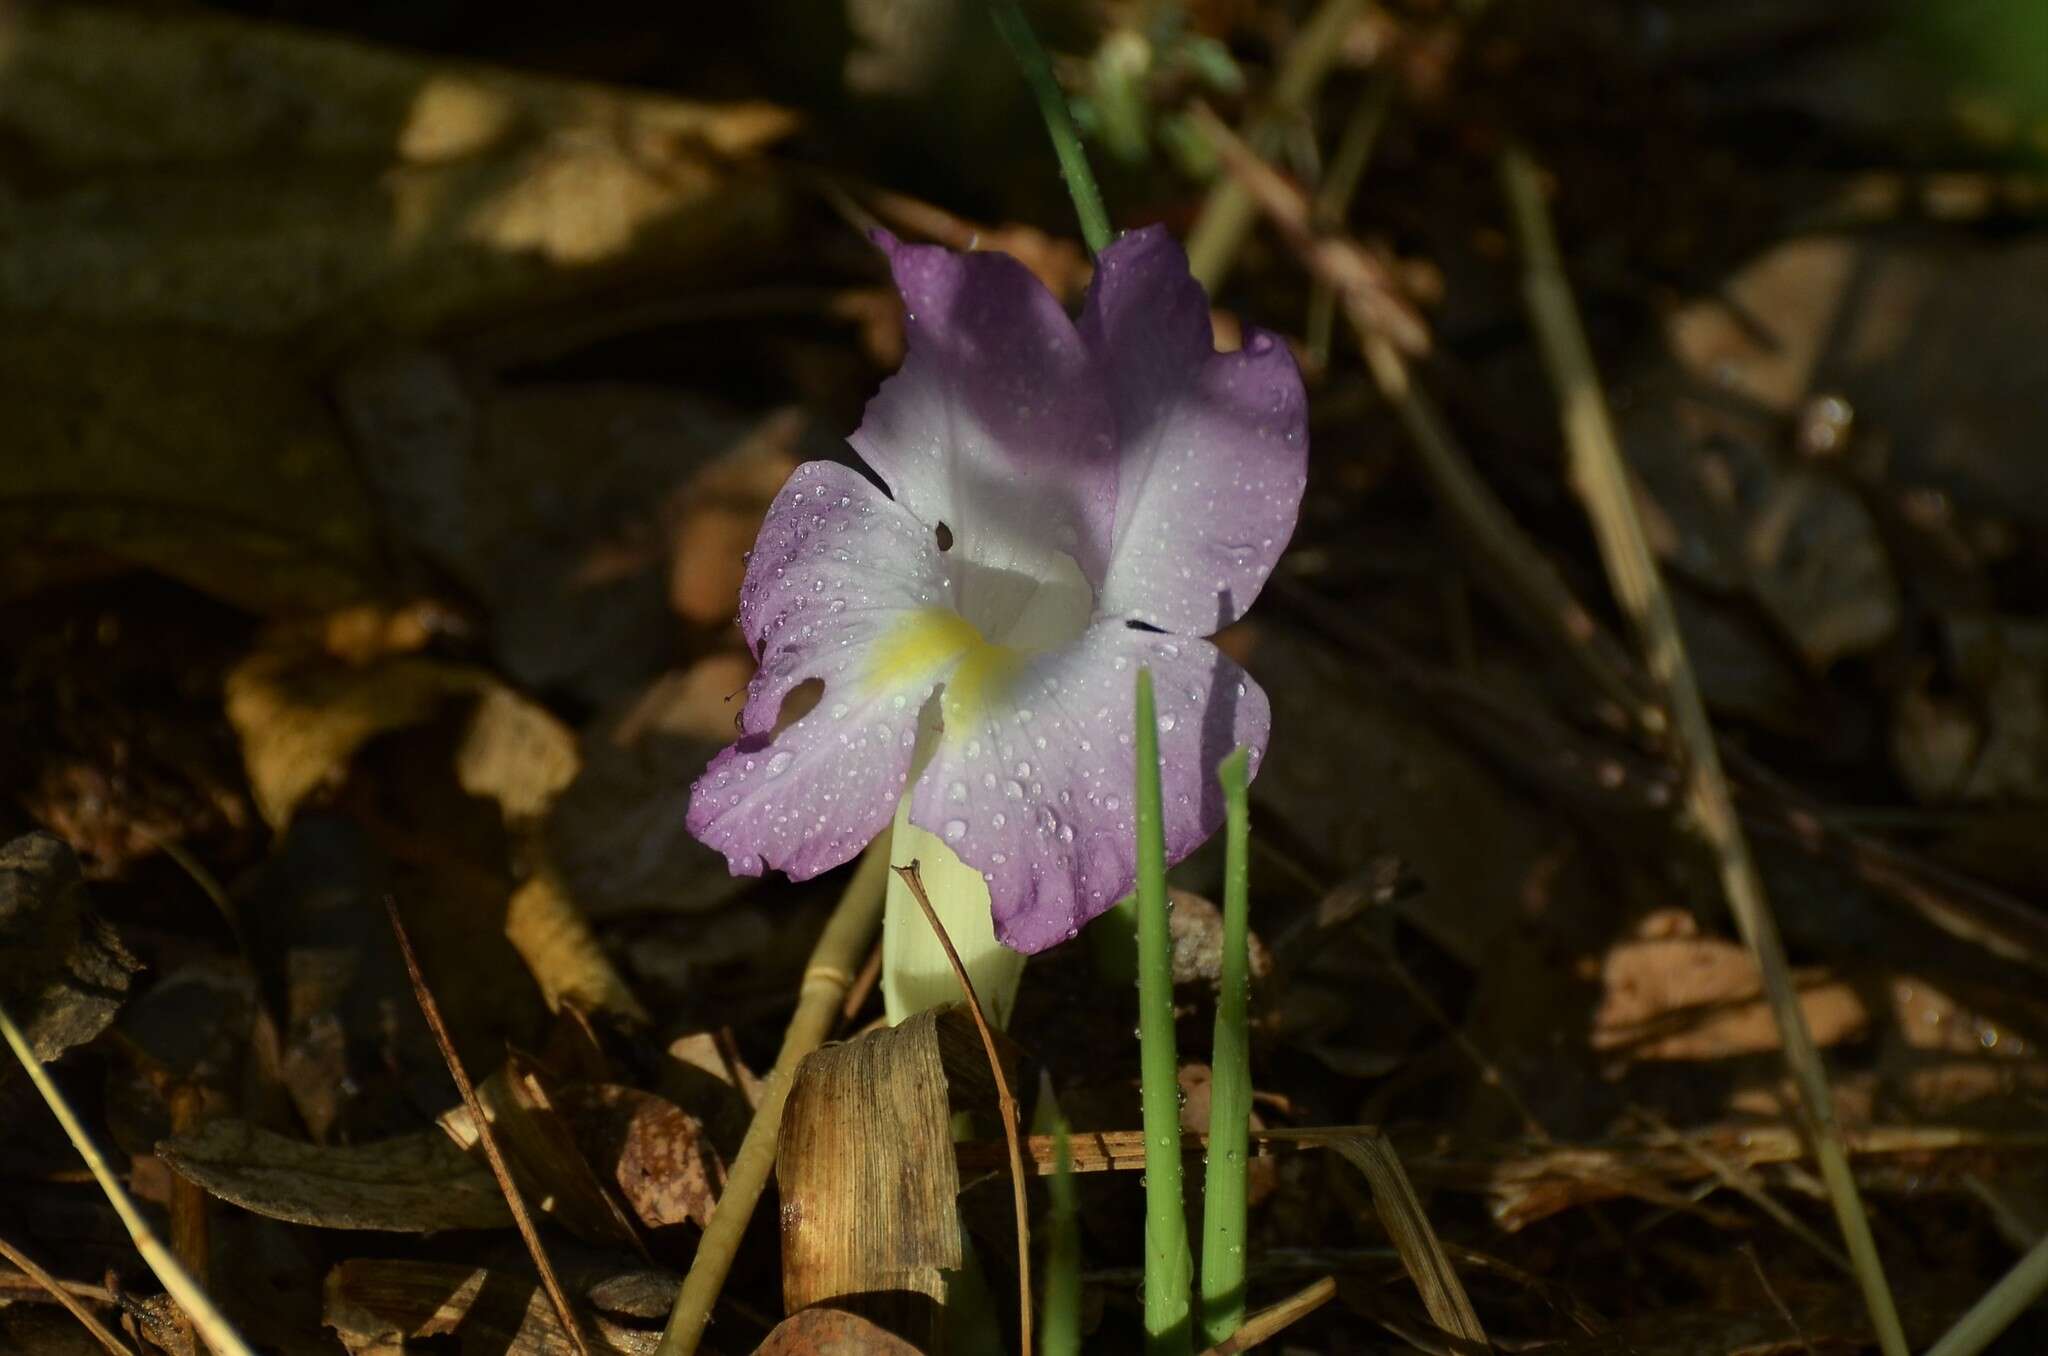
(832, 1332)
(411, 1184)
(63, 973)
(541, 1150)
(868, 1179)
(381, 1307)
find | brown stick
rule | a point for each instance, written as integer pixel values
(101, 1333)
(1268, 1322)
(514, 1200)
(1006, 1103)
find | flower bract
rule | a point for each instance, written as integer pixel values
(1066, 500)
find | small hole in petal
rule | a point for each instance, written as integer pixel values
(945, 535)
(797, 703)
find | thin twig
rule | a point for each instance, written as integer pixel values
(1334, 194)
(101, 1333)
(211, 1325)
(515, 1200)
(1005, 1103)
(1771, 1293)
(1228, 212)
(1268, 1322)
(1601, 479)
(829, 974)
(1515, 571)
(1742, 1181)
(1362, 281)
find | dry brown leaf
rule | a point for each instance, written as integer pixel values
(657, 1154)
(832, 1332)
(63, 973)
(1422, 1254)
(413, 1184)
(1671, 994)
(555, 940)
(542, 1153)
(361, 187)
(301, 718)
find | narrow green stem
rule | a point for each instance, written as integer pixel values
(1060, 1333)
(1167, 1264)
(1059, 122)
(1230, 1089)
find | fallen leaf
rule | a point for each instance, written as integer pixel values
(1669, 993)
(657, 1154)
(833, 1332)
(541, 1150)
(385, 1307)
(412, 1184)
(363, 188)
(63, 973)
(301, 718)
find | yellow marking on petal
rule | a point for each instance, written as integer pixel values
(928, 640)
(984, 669)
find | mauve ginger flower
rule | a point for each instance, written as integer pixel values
(1067, 501)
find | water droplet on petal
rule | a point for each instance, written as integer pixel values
(956, 829)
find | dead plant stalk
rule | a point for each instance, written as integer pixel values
(1005, 1102)
(1601, 479)
(827, 977)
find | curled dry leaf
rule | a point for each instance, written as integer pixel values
(411, 1184)
(657, 1154)
(63, 973)
(542, 1153)
(832, 1332)
(868, 1123)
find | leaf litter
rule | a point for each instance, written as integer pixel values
(372, 526)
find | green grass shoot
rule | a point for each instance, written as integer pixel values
(1059, 1329)
(1168, 1266)
(1230, 1091)
(1059, 122)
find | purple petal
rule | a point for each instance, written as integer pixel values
(998, 424)
(837, 571)
(1032, 787)
(1212, 447)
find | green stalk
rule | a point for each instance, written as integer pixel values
(1230, 1090)
(1059, 122)
(1167, 1265)
(1060, 1331)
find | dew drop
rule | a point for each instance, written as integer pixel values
(779, 764)
(956, 829)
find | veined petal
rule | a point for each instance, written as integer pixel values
(843, 586)
(998, 425)
(1032, 782)
(1212, 447)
